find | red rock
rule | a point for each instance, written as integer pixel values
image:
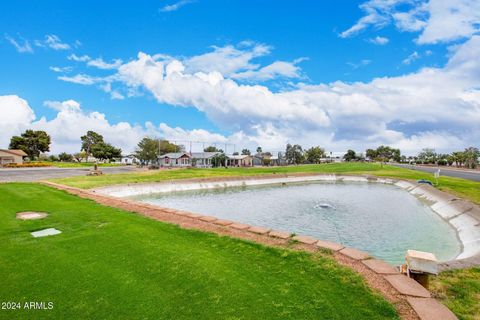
(305, 239)
(329, 245)
(207, 218)
(192, 215)
(407, 286)
(380, 266)
(355, 254)
(259, 230)
(279, 234)
(239, 226)
(430, 309)
(183, 213)
(223, 222)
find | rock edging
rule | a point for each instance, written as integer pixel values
(462, 215)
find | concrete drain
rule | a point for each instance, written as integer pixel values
(31, 215)
(45, 232)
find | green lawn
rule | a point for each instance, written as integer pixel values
(112, 264)
(461, 187)
(59, 164)
(460, 291)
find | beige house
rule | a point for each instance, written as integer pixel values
(240, 160)
(11, 156)
(175, 159)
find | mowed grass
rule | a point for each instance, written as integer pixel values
(460, 291)
(112, 264)
(460, 187)
(59, 164)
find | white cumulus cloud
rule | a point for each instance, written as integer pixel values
(435, 20)
(381, 41)
(21, 44)
(430, 105)
(71, 122)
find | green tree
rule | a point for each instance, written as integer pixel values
(168, 147)
(65, 157)
(294, 154)
(105, 151)
(212, 149)
(89, 141)
(471, 155)
(31, 142)
(246, 152)
(315, 154)
(259, 150)
(371, 154)
(427, 155)
(350, 156)
(450, 159)
(386, 153)
(219, 160)
(147, 150)
(79, 156)
(458, 158)
(442, 159)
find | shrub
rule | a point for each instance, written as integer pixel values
(27, 165)
(442, 162)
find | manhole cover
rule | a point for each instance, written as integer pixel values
(45, 232)
(31, 215)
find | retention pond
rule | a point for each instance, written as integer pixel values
(381, 219)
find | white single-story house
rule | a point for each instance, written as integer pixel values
(242, 160)
(129, 159)
(203, 159)
(175, 159)
(8, 156)
(333, 156)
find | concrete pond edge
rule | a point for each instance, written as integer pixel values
(410, 299)
(462, 215)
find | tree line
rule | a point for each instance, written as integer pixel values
(36, 142)
(467, 158)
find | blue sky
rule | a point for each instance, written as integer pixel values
(332, 71)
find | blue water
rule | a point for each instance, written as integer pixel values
(383, 220)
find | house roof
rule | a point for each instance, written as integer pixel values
(262, 155)
(204, 155)
(238, 156)
(16, 152)
(175, 155)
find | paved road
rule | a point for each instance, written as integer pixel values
(464, 174)
(35, 174)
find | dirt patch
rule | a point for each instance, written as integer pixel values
(31, 215)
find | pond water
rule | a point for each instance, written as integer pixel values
(383, 220)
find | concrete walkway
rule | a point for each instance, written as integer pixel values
(37, 174)
(473, 175)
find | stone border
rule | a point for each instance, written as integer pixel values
(135, 189)
(462, 215)
(410, 299)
